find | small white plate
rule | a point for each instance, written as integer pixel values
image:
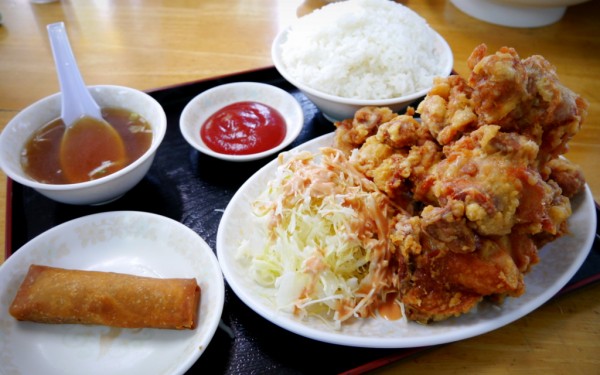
(205, 104)
(129, 242)
(559, 262)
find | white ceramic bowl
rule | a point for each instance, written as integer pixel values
(336, 108)
(516, 13)
(200, 108)
(105, 189)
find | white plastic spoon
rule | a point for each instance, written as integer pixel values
(90, 147)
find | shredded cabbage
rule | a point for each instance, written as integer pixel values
(327, 252)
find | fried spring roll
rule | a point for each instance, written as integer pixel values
(62, 296)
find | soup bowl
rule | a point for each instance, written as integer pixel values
(102, 190)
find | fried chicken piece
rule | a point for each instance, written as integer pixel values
(446, 284)
(523, 250)
(525, 96)
(402, 150)
(487, 271)
(559, 110)
(405, 177)
(485, 170)
(446, 228)
(351, 133)
(371, 155)
(414, 153)
(391, 176)
(445, 281)
(499, 83)
(427, 300)
(543, 208)
(424, 295)
(403, 132)
(567, 175)
(519, 95)
(447, 110)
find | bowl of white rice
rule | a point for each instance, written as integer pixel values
(356, 53)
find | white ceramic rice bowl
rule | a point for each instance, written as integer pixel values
(336, 108)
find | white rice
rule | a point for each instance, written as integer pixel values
(363, 49)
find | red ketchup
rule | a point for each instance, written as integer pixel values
(243, 128)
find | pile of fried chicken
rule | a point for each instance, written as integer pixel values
(479, 179)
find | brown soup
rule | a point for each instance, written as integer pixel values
(41, 159)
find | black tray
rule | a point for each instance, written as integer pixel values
(193, 189)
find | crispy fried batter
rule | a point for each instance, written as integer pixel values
(352, 133)
(448, 110)
(480, 178)
(567, 175)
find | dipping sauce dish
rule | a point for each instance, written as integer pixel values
(259, 104)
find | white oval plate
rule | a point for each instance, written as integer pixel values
(559, 262)
(130, 242)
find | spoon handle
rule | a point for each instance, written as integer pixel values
(77, 101)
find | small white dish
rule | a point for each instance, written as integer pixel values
(129, 242)
(559, 261)
(200, 108)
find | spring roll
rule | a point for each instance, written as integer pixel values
(63, 296)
